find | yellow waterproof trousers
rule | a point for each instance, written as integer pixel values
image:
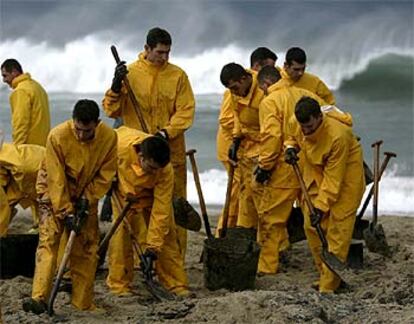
(338, 227)
(169, 266)
(234, 200)
(5, 213)
(276, 204)
(82, 260)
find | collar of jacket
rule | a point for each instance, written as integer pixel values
(143, 58)
(254, 88)
(316, 135)
(286, 77)
(277, 86)
(22, 77)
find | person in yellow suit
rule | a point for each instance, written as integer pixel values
(30, 116)
(260, 57)
(334, 177)
(280, 186)
(294, 73)
(146, 174)
(19, 164)
(166, 100)
(29, 105)
(79, 165)
(246, 97)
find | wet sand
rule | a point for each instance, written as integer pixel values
(382, 292)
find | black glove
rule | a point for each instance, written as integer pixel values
(162, 134)
(234, 148)
(316, 217)
(147, 262)
(291, 156)
(106, 211)
(72, 223)
(82, 208)
(262, 175)
(120, 72)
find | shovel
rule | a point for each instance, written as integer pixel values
(374, 235)
(330, 260)
(226, 209)
(153, 286)
(190, 154)
(362, 224)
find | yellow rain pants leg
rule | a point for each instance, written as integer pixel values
(250, 195)
(83, 260)
(234, 200)
(276, 204)
(180, 190)
(5, 212)
(120, 252)
(170, 265)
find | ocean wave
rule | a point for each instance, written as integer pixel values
(395, 192)
(86, 66)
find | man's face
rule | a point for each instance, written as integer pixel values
(148, 165)
(311, 126)
(85, 132)
(241, 87)
(9, 76)
(295, 70)
(159, 54)
(265, 84)
(259, 65)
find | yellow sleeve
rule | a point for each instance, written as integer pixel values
(183, 117)
(292, 130)
(237, 126)
(323, 92)
(113, 102)
(20, 111)
(161, 213)
(226, 119)
(333, 175)
(102, 181)
(56, 179)
(270, 134)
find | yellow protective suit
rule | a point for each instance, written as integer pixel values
(311, 83)
(246, 126)
(275, 111)
(19, 165)
(72, 169)
(29, 111)
(334, 177)
(151, 217)
(167, 102)
(224, 140)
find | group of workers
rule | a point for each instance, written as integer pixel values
(270, 118)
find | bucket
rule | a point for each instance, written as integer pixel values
(295, 226)
(18, 255)
(241, 233)
(230, 263)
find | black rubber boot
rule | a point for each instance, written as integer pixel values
(36, 307)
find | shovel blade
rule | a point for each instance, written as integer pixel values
(336, 266)
(376, 241)
(360, 226)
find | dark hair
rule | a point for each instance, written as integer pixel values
(11, 64)
(232, 72)
(268, 72)
(305, 108)
(295, 54)
(158, 36)
(260, 54)
(156, 149)
(86, 111)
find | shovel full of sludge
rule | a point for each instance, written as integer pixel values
(374, 235)
(229, 261)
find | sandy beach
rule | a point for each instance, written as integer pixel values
(382, 292)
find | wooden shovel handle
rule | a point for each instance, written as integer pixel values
(376, 157)
(226, 209)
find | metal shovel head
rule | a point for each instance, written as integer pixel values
(360, 226)
(157, 290)
(185, 215)
(356, 255)
(336, 266)
(375, 240)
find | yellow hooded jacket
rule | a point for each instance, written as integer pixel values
(74, 168)
(165, 98)
(29, 111)
(225, 127)
(332, 155)
(275, 112)
(311, 83)
(152, 190)
(246, 119)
